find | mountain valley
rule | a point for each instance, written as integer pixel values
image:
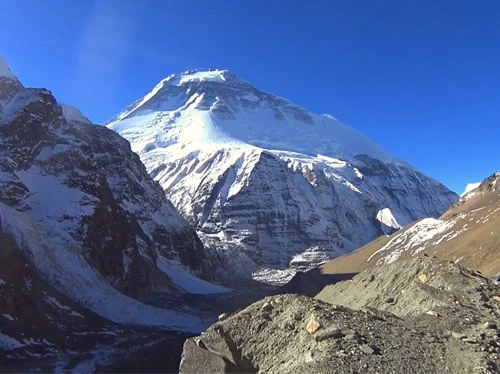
(85, 236)
(213, 227)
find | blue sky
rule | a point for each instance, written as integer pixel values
(421, 78)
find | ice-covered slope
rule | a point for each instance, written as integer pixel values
(79, 206)
(217, 108)
(266, 183)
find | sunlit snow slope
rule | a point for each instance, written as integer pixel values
(266, 183)
(216, 108)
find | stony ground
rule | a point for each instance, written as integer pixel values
(419, 316)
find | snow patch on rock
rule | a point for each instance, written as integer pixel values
(469, 188)
(73, 114)
(8, 316)
(186, 281)
(389, 223)
(273, 276)
(8, 343)
(57, 305)
(415, 239)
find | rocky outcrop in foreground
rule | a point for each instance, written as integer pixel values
(418, 316)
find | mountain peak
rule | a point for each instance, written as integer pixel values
(166, 94)
(490, 183)
(4, 69)
(210, 75)
(201, 75)
(216, 107)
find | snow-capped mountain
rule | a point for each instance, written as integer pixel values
(267, 184)
(77, 205)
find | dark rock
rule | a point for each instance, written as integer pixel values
(490, 325)
(470, 340)
(333, 334)
(212, 363)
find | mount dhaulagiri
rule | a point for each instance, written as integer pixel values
(268, 185)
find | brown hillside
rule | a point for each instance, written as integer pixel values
(468, 233)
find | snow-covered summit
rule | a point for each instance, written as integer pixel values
(4, 69)
(219, 107)
(202, 75)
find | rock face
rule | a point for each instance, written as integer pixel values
(266, 183)
(391, 321)
(78, 206)
(36, 319)
(468, 233)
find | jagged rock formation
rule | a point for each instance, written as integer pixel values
(266, 183)
(468, 233)
(417, 316)
(84, 231)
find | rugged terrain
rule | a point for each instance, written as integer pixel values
(268, 185)
(467, 233)
(99, 271)
(422, 315)
(85, 236)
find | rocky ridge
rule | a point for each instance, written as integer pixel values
(422, 315)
